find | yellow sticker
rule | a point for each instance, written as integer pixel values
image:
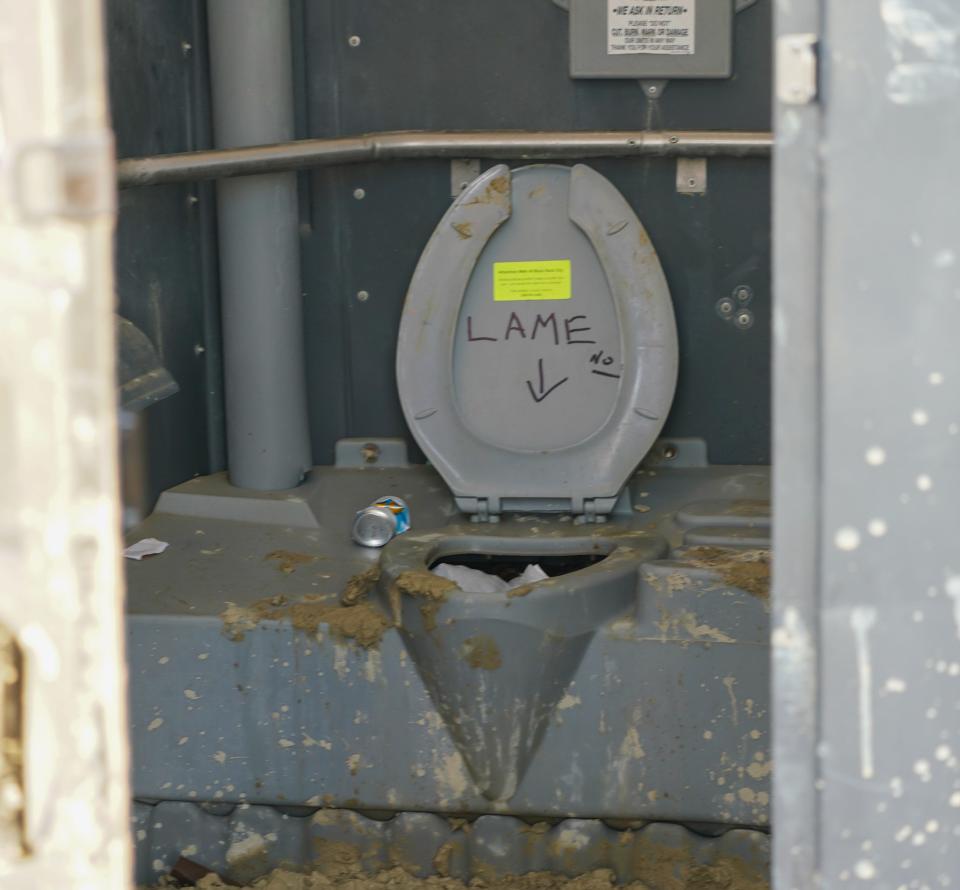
(537, 280)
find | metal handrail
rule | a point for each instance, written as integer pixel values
(498, 144)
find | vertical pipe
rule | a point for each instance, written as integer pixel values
(201, 119)
(268, 444)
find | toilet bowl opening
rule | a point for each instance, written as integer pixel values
(508, 566)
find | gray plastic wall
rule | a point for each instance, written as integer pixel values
(363, 228)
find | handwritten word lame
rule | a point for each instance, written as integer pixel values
(568, 330)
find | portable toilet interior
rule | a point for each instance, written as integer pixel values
(540, 315)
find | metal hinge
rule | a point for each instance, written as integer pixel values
(590, 514)
(483, 510)
(797, 69)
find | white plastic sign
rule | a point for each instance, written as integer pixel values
(663, 29)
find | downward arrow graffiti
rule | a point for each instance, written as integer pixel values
(540, 394)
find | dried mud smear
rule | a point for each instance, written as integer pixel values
(481, 652)
(658, 867)
(431, 589)
(747, 569)
(288, 560)
(496, 192)
(363, 623)
(359, 585)
(425, 585)
(723, 876)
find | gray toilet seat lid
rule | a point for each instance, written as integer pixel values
(537, 352)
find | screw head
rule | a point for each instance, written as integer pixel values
(359, 194)
(743, 293)
(353, 40)
(363, 296)
(725, 307)
(744, 319)
(669, 452)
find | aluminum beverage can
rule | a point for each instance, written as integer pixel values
(386, 517)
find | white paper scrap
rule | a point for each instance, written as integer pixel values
(146, 547)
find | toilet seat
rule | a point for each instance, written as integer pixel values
(537, 351)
